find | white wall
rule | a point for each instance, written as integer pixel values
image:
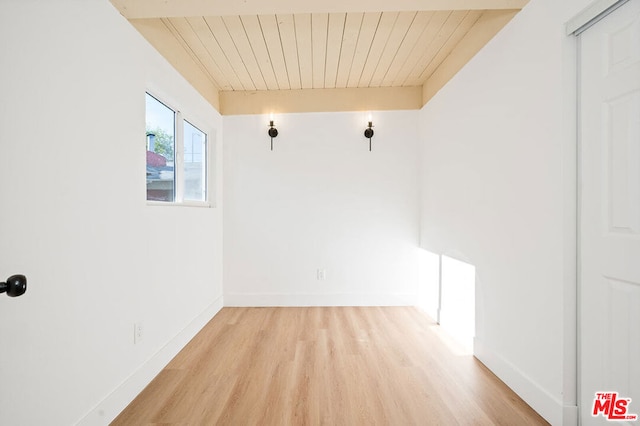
(74, 220)
(498, 191)
(321, 200)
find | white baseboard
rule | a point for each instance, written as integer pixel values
(109, 408)
(532, 393)
(270, 299)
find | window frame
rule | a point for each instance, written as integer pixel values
(179, 163)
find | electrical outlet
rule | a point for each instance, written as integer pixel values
(322, 274)
(137, 332)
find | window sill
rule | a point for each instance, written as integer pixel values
(201, 204)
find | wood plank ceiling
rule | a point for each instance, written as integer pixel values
(252, 53)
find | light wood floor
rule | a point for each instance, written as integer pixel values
(333, 366)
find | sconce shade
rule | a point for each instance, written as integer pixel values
(15, 286)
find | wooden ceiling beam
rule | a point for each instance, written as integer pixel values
(321, 100)
(136, 9)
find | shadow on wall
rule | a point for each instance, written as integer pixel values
(447, 294)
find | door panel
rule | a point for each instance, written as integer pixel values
(609, 289)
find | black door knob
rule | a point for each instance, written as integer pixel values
(15, 286)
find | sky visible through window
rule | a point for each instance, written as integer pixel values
(159, 115)
(194, 141)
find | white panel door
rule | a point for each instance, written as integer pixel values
(610, 216)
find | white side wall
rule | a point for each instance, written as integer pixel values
(74, 220)
(321, 200)
(498, 191)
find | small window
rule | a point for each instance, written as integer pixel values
(161, 132)
(176, 156)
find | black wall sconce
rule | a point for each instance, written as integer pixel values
(15, 286)
(368, 132)
(273, 132)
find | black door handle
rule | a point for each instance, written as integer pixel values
(15, 286)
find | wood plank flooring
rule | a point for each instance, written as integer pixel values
(325, 366)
